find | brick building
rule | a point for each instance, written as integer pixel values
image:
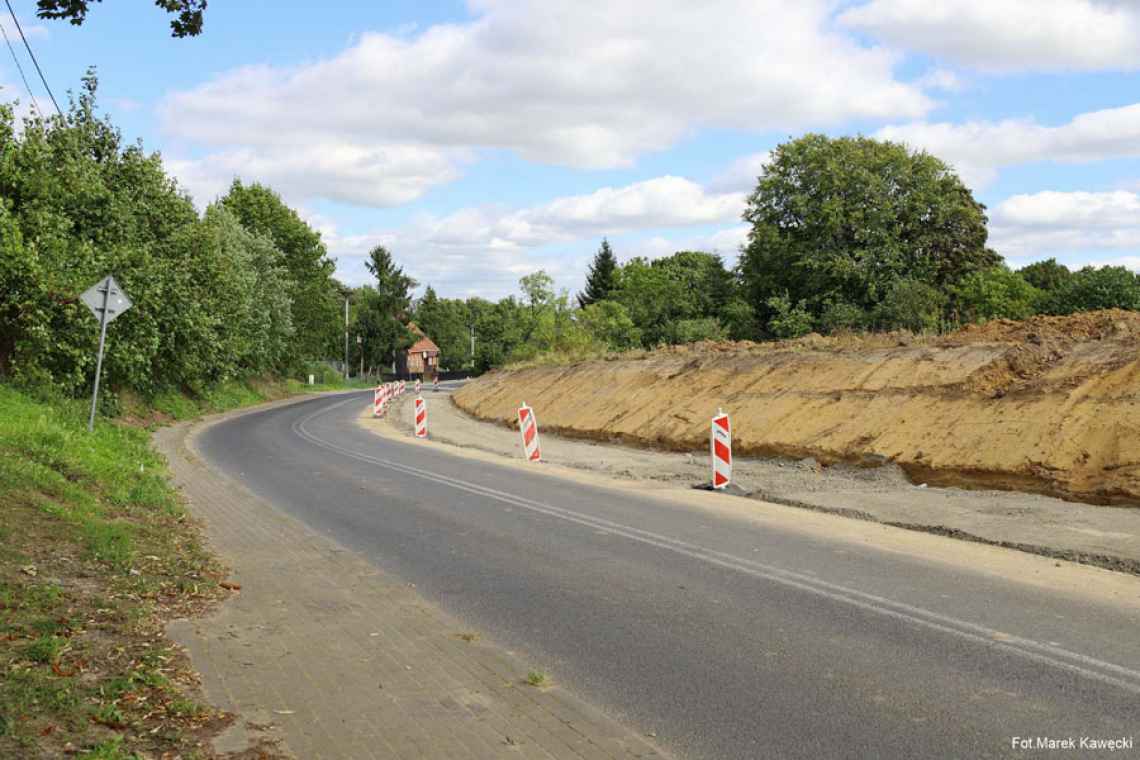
(422, 358)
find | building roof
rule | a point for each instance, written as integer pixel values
(424, 343)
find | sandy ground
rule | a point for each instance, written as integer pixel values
(1102, 536)
(1050, 405)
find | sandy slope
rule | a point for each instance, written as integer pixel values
(1046, 405)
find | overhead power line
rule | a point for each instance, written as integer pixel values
(19, 68)
(32, 55)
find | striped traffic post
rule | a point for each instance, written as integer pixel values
(421, 417)
(528, 430)
(419, 386)
(378, 401)
(720, 448)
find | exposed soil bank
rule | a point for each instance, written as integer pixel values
(1046, 405)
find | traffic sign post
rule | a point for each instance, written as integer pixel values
(106, 300)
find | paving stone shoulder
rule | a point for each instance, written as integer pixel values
(342, 660)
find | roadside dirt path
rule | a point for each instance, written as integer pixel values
(1102, 536)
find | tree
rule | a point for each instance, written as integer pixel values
(187, 22)
(1046, 275)
(316, 295)
(995, 293)
(538, 287)
(447, 322)
(1092, 288)
(910, 305)
(498, 330)
(385, 308)
(600, 280)
(689, 285)
(842, 220)
(609, 324)
(788, 320)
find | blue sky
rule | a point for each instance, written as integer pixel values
(483, 140)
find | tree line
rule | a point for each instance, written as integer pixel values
(246, 288)
(846, 234)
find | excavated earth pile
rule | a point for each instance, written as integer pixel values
(1046, 405)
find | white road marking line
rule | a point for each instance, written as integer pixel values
(1047, 654)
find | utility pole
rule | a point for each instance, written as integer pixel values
(346, 338)
(472, 345)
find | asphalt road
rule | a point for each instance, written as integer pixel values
(723, 638)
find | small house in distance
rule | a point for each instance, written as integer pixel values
(422, 359)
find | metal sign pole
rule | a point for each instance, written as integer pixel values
(106, 300)
(99, 359)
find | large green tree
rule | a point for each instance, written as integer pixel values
(678, 298)
(316, 295)
(212, 300)
(384, 309)
(600, 279)
(447, 321)
(1047, 275)
(841, 220)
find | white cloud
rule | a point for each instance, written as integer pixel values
(582, 83)
(1056, 223)
(978, 149)
(742, 174)
(941, 79)
(376, 175)
(1010, 35)
(725, 242)
(483, 251)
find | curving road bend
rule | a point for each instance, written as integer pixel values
(724, 637)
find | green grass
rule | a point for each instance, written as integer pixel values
(96, 552)
(234, 395)
(537, 678)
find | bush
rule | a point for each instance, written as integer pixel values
(693, 330)
(840, 316)
(910, 305)
(608, 323)
(996, 293)
(789, 321)
(1092, 288)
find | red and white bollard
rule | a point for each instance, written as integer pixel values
(378, 401)
(419, 386)
(421, 417)
(720, 448)
(528, 429)
(401, 388)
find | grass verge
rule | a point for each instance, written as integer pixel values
(96, 554)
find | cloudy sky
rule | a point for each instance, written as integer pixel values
(485, 139)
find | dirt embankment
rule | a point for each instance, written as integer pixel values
(1046, 405)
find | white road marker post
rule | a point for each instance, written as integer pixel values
(720, 450)
(528, 430)
(421, 417)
